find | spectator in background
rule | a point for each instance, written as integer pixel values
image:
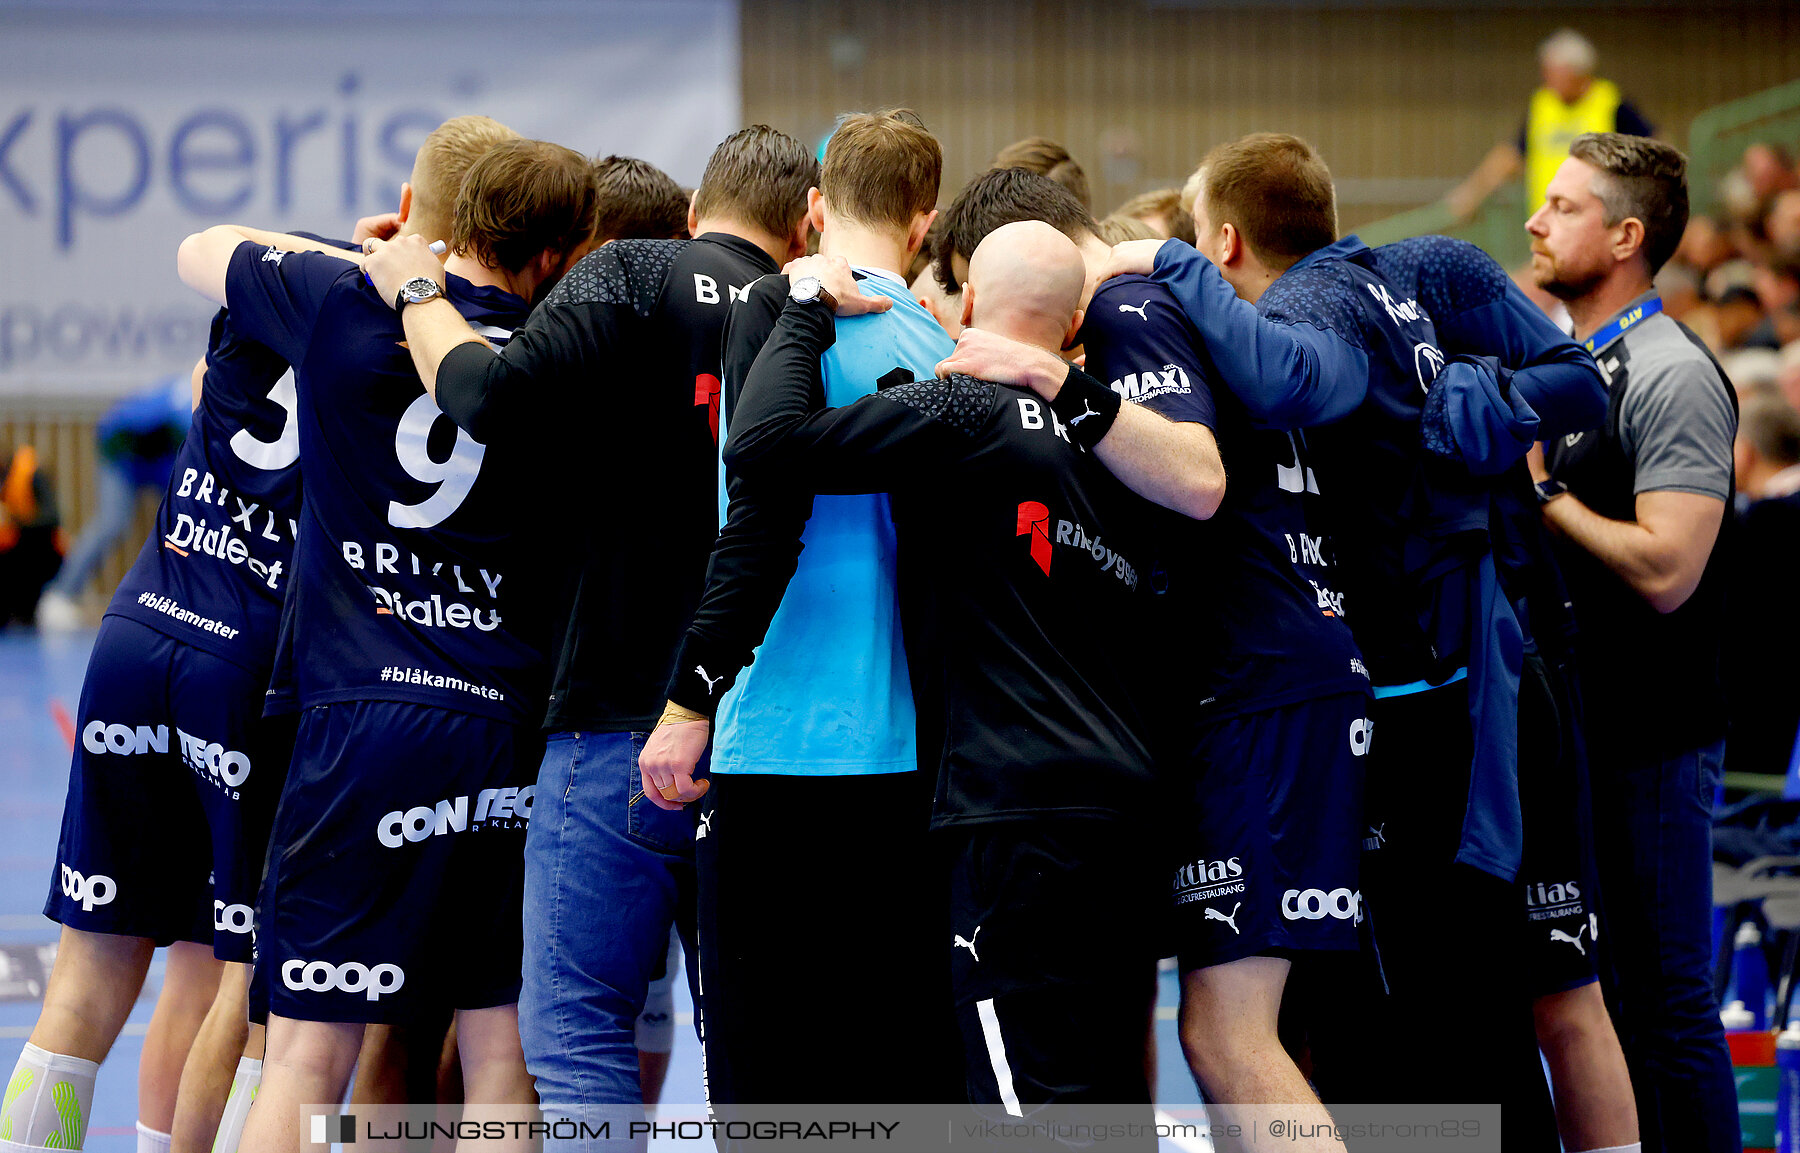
(637, 200)
(1768, 170)
(1763, 684)
(31, 543)
(1777, 287)
(1787, 374)
(1781, 224)
(1166, 211)
(1572, 101)
(137, 440)
(1735, 320)
(1046, 157)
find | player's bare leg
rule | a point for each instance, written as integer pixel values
(93, 985)
(1595, 1108)
(1228, 1032)
(212, 1064)
(496, 1086)
(307, 1063)
(190, 987)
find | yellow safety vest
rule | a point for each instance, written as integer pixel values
(1552, 126)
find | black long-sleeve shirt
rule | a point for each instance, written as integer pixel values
(616, 375)
(1021, 559)
(757, 550)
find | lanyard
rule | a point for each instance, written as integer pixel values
(1615, 327)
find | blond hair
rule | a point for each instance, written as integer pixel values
(438, 171)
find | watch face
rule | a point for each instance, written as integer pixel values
(420, 289)
(806, 288)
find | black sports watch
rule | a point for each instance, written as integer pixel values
(808, 289)
(417, 291)
(1549, 490)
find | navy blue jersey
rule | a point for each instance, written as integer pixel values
(1405, 442)
(216, 567)
(1250, 595)
(407, 586)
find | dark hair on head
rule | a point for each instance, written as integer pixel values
(521, 198)
(1276, 191)
(882, 168)
(759, 177)
(1046, 157)
(637, 201)
(1642, 178)
(1001, 196)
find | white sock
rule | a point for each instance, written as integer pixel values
(1634, 1147)
(47, 1101)
(237, 1105)
(150, 1141)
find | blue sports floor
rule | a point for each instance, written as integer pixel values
(40, 684)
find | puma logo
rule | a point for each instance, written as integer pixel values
(1559, 935)
(1214, 915)
(1090, 412)
(710, 681)
(968, 944)
(1141, 309)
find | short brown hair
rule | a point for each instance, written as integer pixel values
(522, 198)
(1163, 202)
(882, 168)
(998, 197)
(1641, 178)
(441, 166)
(1276, 191)
(758, 177)
(637, 201)
(1046, 157)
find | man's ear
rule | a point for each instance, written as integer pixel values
(405, 201)
(1628, 238)
(968, 301)
(1231, 246)
(693, 217)
(798, 238)
(815, 209)
(1074, 328)
(915, 236)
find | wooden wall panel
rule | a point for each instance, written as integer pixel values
(1401, 101)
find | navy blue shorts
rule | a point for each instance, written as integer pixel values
(1270, 832)
(397, 867)
(1555, 875)
(172, 791)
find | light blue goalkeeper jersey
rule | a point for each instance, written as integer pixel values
(828, 693)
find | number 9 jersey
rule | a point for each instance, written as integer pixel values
(216, 567)
(408, 584)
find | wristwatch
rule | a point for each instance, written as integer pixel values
(810, 288)
(1549, 490)
(417, 291)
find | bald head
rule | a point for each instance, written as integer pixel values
(1025, 281)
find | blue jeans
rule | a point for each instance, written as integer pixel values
(606, 873)
(116, 500)
(1653, 848)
